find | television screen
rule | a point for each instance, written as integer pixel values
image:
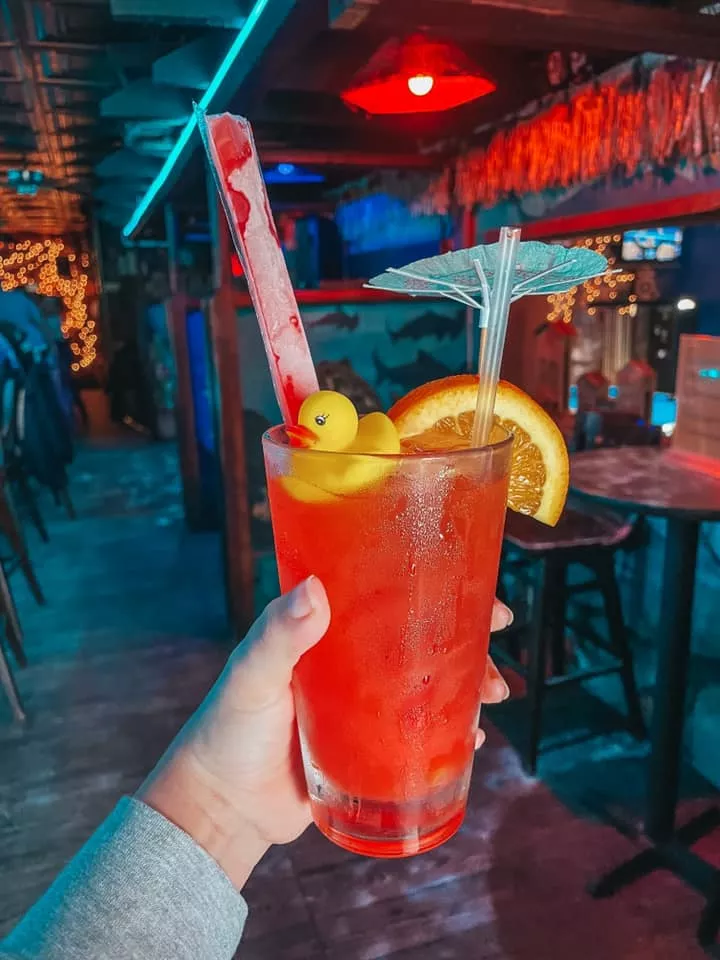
(662, 244)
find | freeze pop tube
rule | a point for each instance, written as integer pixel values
(231, 150)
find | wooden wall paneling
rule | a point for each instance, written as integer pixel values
(239, 566)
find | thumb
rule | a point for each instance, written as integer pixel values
(261, 667)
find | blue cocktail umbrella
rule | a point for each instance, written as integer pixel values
(468, 276)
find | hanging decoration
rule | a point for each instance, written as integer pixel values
(416, 75)
(37, 263)
(557, 69)
(405, 185)
(656, 118)
(561, 307)
(563, 68)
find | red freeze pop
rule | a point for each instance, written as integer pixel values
(231, 148)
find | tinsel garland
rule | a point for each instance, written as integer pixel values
(668, 116)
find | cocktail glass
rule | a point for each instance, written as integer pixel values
(388, 701)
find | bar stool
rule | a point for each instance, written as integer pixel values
(13, 635)
(18, 557)
(589, 540)
(37, 437)
(613, 428)
(11, 468)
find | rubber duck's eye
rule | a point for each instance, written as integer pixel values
(321, 419)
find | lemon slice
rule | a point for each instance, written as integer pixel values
(439, 415)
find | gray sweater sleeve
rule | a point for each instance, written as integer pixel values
(140, 889)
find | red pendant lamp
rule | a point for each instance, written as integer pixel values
(416, 75)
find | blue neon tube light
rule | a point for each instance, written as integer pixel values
(190, 127)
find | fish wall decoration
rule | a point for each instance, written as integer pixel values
(338, 319)
(430, 324)
(408, 375)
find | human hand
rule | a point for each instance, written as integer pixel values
(233, 777)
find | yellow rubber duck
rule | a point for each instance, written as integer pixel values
(328, 422)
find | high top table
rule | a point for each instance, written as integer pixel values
(643, 480)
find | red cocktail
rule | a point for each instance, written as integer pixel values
(407, 545)
(388, 701)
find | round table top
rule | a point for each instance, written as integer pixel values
(645, 480)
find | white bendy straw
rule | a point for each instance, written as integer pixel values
(493, 336)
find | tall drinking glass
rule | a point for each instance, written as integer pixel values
(388, 701)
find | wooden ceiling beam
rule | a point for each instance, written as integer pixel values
(677, 210)
(548, 24)
(290, 107)
(327, 62)
(61, 45)
(68, 81)
(349, 158)
(363, 138)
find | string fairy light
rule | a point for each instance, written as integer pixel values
(36, 262)
(614, 284)
(562, 306)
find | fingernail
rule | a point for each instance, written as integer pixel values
(497, 691)
(300, 601)
(507, 614)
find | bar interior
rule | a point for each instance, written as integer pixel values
(137, 533)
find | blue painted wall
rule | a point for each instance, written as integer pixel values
(201, 378)
(390, 365)
(371, 262)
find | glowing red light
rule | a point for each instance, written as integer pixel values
(421, 84)
(417, 75)
(236, 267)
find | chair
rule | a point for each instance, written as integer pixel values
(592, 391)
(542, 555)
(39, 444)
(7, 681)
(11, 415)
(636, 386)
(12, 431)
(614, 428)
(44, 438)
(10, 527)
(13, 473)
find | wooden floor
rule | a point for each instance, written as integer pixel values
(131, 638)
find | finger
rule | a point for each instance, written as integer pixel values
(262, 666)
(502, 616)
(479, 738)
(494, 688)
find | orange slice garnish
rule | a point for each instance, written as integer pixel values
(439, 416)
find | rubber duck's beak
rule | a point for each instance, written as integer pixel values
(300, 436)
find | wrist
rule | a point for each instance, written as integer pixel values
(181, 792)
